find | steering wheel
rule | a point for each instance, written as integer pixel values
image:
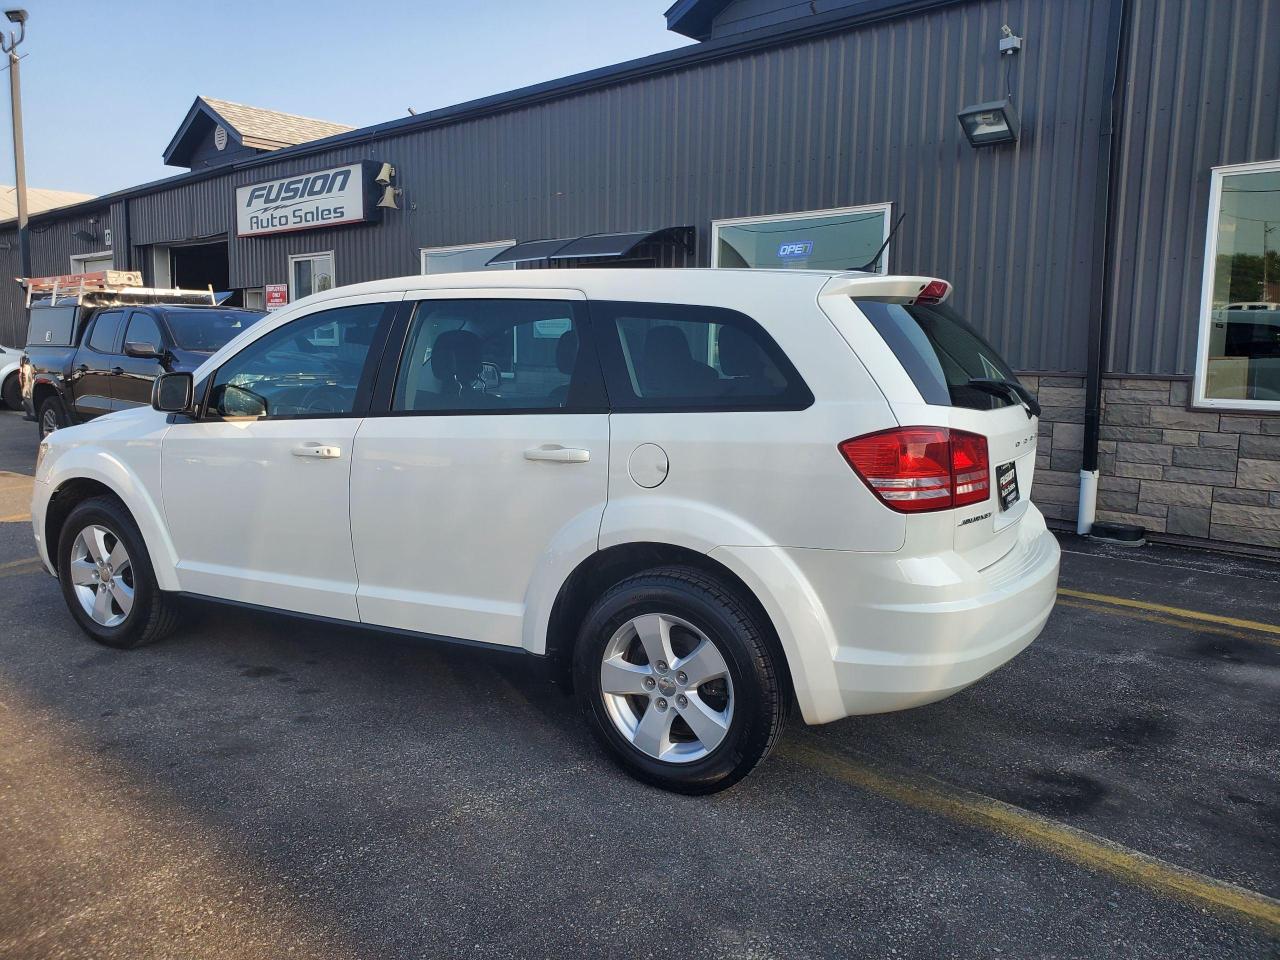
(326, 398)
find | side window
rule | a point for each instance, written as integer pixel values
(102, 337)
(143, 329)
(314, 366)
(675, 356)
(486, 356)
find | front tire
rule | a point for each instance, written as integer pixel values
(51, 416)
(677, 682)
(107, 579)
(12, 392)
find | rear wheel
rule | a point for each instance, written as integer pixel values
(12, 392)
(677, 681)
(107, 579)
(51, 416)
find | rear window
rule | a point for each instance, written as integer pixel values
(941, 353)
(206, 331)
(666, 356)
(51, 325)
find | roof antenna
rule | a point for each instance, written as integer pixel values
(870, 265)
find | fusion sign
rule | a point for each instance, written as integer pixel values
(326, 198)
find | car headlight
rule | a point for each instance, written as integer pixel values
(40, 452)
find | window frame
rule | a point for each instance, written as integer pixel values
(596, 401)
(87, 339)
(295, 257)
(78, 260)
(617, 379)
(370, 372)
(886, 208)
(497, 246)
(1218, 176)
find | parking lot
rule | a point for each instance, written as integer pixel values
(254, 787)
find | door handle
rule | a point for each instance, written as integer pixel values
(556, 454)
(117, 371)
(317, 451)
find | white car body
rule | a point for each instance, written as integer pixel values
(10, 362)
(442, 525)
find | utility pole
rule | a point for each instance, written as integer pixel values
(10, 46)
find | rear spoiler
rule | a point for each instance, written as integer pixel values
(872, 286)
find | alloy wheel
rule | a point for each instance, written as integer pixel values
(102, 575)
(48, 421)
(667, 688)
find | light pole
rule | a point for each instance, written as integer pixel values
(10, 46)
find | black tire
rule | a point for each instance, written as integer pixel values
(153, 613)
(760, 698)
(11, 393)
(51, 416)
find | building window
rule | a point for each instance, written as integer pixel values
(815, 240)
(1239, 351)
(310, 273)
(464, 259)
(92, 262)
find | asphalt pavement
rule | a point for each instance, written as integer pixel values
(256, 787)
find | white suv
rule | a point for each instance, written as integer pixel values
(707, 494)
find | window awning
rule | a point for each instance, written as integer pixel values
(592, 246)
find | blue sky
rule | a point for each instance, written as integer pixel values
(106, 84)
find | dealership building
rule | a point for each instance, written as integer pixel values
(1099, 179)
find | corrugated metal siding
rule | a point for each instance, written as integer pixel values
(1203, 90)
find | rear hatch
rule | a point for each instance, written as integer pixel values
(947, 375)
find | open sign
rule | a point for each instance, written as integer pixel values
(795, 249)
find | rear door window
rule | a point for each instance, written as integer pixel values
(102, 338)
(664, 356)
(941, 353)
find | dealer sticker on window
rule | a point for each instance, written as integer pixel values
(1007, 484)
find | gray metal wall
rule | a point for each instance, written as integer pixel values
(1203, 90)
(863, 115)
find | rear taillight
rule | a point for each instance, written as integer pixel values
(935, 291)
(914, 469)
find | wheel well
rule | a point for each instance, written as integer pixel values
(600, 571)
(65, 499)
(38, 394)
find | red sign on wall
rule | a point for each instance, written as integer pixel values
(276, 295)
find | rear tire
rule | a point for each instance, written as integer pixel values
(698, 717)
(51, 416)
(107, 579)
(11, 393)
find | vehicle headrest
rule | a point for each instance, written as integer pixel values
(739, 355)
(456, 356)
(566, 351)
(666, 346)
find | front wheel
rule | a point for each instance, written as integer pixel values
(677, 681)
(12, 392)
(107, 579)
(51, 416)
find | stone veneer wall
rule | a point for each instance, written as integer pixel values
(1171, 469)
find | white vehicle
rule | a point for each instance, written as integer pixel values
(708, 494)
(10, 378)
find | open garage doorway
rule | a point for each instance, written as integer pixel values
(195, 267)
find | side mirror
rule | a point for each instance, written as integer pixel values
(146, 351)
(173, 393)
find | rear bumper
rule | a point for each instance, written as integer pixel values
(870, 633)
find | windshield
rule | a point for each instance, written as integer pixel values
(208, 330)
(941, 353)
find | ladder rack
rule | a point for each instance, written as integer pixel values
(109, 286)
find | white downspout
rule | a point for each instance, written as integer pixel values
(1088, 501)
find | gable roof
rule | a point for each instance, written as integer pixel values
(253, 127)
(38, 200)
(693, 17)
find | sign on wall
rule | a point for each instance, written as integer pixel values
(275, 295)
(324, 198)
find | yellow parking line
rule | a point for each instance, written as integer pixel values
(17, 567)
(15, 518)
(1252, 625)
(1171, 622)
(1084, 849)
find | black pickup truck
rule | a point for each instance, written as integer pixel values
(84, 360)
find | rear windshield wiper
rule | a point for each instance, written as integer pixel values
(1008, 388)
